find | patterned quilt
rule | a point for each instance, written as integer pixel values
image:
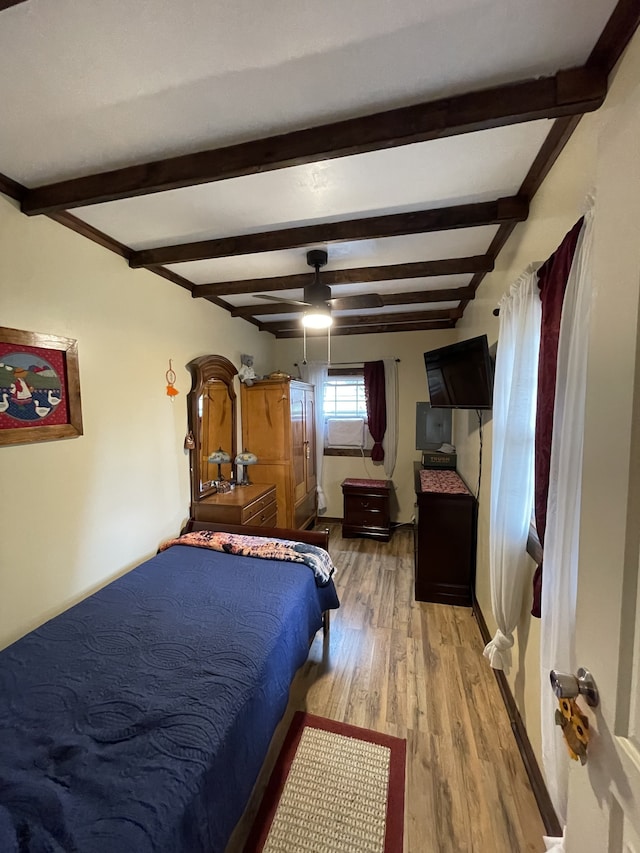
(263, 547)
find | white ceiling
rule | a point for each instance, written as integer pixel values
(88, 86)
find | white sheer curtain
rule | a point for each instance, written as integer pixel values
(315, 373)
(512, 470)
(559, 584)
(390, 440)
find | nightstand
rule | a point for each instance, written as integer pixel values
(366, 508)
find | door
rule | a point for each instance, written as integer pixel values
(604, 796)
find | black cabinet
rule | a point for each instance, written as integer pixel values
(444, 538)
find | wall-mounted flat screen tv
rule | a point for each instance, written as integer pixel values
(460, 376)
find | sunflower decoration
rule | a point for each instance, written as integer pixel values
(575, 728)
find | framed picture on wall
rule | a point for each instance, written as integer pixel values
(39, 387)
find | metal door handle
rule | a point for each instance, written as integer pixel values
(567, 686)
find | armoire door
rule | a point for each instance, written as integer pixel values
(298, 442)
(310, 438)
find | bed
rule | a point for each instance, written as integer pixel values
(138, 720)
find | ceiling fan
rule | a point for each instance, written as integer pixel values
(316, 295)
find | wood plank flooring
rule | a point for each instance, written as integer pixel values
(416, 670)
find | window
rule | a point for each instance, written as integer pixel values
(344, 397)
(345, 414)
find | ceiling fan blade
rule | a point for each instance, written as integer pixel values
(280, 299)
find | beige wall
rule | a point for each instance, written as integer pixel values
(412, 387)
(77, 512)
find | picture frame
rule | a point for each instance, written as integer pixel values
(39, 387)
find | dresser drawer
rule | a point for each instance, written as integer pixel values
(267, 518)
(262, 507)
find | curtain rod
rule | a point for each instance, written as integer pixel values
(346, 363)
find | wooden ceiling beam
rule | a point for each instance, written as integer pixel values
(510, 209)
(360, 275)
(374, 329)
(7, 4)
(364, 300)
(569, 92)
(358, 320)
(361, 300)
(617, 34)
(451, 294)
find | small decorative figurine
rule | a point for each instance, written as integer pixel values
(246, 373)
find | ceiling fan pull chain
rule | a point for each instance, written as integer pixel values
(328, 345)
(304, 344)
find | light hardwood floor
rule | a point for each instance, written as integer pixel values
(416, 670)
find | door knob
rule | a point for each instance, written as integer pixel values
(567, 686)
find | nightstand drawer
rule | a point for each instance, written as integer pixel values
(366, 504)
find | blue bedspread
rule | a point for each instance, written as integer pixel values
(139, 719)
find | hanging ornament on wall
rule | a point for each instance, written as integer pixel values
(171, 378)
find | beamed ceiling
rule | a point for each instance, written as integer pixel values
(215, 143)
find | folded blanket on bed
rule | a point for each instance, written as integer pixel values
(263, 547)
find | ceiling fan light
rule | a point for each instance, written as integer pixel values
(317, 318)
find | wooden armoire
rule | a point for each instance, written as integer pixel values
(278, 425)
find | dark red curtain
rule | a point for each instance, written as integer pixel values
(376, 405)
(552, 281)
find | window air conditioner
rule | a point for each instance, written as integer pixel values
(345, 432)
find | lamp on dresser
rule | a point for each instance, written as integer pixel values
(221, 457)
(243, 460)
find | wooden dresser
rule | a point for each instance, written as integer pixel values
(254, 505)
(444, 537)
(366, 508)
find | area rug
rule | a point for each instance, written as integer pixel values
(335, 788)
